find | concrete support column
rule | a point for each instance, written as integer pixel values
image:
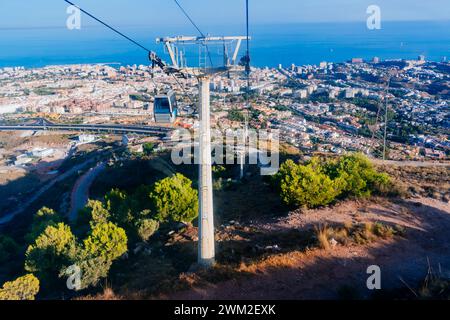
(206, 250)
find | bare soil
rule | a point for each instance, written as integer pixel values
(322, 274)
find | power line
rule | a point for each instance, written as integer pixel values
(108, 26)
(189, 18)
(151, 54)
(196, 27)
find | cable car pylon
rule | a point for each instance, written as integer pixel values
(206, 242)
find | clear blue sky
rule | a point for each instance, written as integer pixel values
(157, 13)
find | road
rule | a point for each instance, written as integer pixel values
(80, 191)
(8, 217)
(109, 128)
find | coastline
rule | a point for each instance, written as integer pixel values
(119, 64)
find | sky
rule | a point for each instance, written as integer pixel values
(160, 13)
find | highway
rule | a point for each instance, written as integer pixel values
(108, 128)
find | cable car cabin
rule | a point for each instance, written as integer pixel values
(165, 108)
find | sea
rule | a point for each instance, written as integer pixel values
(271, 45)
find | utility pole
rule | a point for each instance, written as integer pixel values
(386, 113)
(382, 119)
(385, 128)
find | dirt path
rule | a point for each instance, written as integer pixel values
(318, 274)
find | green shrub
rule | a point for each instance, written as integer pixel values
(8, 248)
(94, 213)
(106, 243)
(146, 228)
(305, 185)
(92, 269)
(106, 240)
(219, 171)
(356, 175)
(148, 148)
(174, 199)
(42, 219)
(126, 209)
(139, 200)
(117, 204)
(319, 183)
(23, 288)
(383, 185)
(54, 249)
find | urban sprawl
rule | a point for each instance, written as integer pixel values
(329, 108)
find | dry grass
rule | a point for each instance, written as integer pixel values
(348, 233)
(383, 231)
(345, 235)
(278, 261)
(323, 236)
(433, 181)
(107, 294)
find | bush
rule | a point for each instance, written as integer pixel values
(385, 186)
(94, 213)
(124, 210)
(356, 175)
(54, 249)
(139, 200)
(305, 185)
(23, 288)
(92, 269)
(146, 228)
(42, 219)
(8, 248)
(148, 148)
(116, 204)
(107, 241)
(318, 183)
(174, 199)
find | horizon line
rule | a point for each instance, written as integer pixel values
(91, 25)
(365, 60)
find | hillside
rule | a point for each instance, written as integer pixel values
(266, 251)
